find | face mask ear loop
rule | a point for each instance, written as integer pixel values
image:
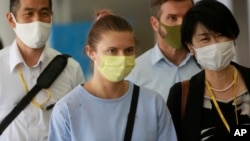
(196, 61)
(13, 17)
(194, 48)
(51, 19)
(234, 42)
(99, 65)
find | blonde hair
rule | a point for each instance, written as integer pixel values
(106, 21)
(102, 13)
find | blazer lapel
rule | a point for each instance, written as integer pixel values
(245, 72)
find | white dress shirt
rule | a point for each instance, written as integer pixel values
(32, 123)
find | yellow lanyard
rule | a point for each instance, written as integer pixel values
(36, 104)
(217, 106)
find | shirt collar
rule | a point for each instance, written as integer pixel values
(157, 56)
(185, 61)
(17, 58)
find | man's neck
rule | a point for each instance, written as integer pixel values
(30, 55)
(173, 55)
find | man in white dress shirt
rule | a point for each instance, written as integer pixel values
(21, 64)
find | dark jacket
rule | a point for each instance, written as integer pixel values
(190, 128)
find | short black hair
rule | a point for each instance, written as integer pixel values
(15, 4)
(213, 15)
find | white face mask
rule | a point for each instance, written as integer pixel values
(34, 35)
(216, 56)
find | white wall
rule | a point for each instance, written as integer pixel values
(6, 33)
(62, 11)
(241, 13)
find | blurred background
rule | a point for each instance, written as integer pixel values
(73, 18)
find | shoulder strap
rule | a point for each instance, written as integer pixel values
(46, 78)
(52, 71)
(185, 91)
(131, 115)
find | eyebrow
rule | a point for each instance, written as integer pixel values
(45, 8)
(130, 47)
(33, 9)
(202, 34)
(29, 9)
(171, 15)
(113, 47)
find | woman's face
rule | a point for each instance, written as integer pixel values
(203, 37)
(115, 44)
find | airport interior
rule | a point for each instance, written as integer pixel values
(73, 18)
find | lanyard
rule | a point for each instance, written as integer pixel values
(25, 86)
(217, 106)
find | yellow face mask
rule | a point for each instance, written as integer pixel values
(116, 68)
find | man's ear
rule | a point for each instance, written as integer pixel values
(10, 20)
(90, 52)
(154, 23)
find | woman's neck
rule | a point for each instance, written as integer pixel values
(106, 89)
(220, 80)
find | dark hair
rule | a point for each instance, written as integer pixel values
(155, 6)
(213, 15)
(105, 22)
(15, 4)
